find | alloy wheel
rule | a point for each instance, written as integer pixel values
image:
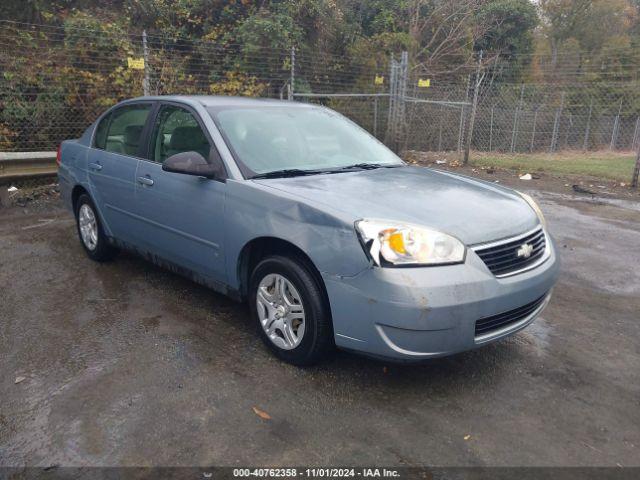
(88, 226)
(280, 311)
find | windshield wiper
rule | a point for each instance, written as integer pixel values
(288, 172)
(368, 166)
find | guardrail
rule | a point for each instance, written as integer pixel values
(24, 165)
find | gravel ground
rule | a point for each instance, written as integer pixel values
(126, 364)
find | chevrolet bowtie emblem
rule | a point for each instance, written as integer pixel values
(524, 250)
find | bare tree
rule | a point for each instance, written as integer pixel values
(443, 30)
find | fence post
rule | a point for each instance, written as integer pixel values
(462, 109)
(404, 80)
(491, 128)
(634, 141)
(533, 131)
(460, 128)
(389, 135)
(556, 124)
(375, 117)
(474, 106)
(616, 126)
(587, 129)
(636, 171)
(516, 117)
(397, 91)
(145, 56)
(440, 129)
(292, 74)
(566, 135)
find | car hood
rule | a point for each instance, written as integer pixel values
(472, 210)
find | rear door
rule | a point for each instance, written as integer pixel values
(112, 165)
(182, 215)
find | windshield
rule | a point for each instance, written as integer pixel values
(293, 138)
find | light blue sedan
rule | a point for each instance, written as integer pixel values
(330, 237)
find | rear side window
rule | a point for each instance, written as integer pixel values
(125, 129)
(100, 138)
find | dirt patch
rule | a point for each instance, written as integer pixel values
(35, 195)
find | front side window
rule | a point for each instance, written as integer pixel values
(176, 131)
(125, 129)
(269, 139)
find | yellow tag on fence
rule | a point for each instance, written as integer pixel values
(424, 82)
(379, 80)
(135, 63)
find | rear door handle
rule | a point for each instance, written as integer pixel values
(145, 181)
(95, 166)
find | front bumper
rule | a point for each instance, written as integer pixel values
(419, 313)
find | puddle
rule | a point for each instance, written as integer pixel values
(536, 335)
(597, 200)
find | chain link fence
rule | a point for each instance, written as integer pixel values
(547, 118)
(54, 81)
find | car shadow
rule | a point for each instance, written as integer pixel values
(212, 316)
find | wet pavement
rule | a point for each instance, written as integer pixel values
(127, 364)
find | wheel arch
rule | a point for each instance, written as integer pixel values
(80, 189)
(261, 247)
(75, 195)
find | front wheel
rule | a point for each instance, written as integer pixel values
(288, 305)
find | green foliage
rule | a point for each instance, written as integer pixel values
(510, 24)
(509, 32)
(77, 65)
(267, 30)
(186, 18)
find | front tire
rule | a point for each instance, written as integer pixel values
(288, 306)
(92, 236)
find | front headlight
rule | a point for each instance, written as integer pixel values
(534, 206)
(391, 243)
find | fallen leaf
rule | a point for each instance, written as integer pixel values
(385, 369)
(20, 379)
(261, 413)
(467, 437)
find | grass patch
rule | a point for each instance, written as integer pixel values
(610, 165)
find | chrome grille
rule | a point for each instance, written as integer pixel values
(514, 254)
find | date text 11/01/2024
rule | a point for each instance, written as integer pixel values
(316, 472)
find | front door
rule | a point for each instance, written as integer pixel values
(112, 165)
(182, 215)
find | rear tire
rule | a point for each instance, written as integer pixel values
(92, 236)
(290, 312)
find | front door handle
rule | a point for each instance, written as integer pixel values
(145, 181)
(95, 166)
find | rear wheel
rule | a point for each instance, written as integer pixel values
(288, 305)
(90, 231)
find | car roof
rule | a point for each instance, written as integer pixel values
(222, 101)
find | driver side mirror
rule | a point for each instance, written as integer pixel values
(191, 163)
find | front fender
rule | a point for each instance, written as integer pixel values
(328, 238)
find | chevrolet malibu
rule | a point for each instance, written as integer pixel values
(329, 236)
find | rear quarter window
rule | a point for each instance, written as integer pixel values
(100, 137)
